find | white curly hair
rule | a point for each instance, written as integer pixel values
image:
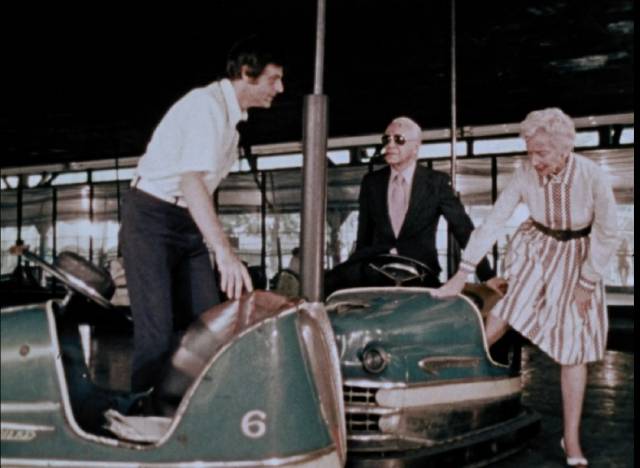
(552, 121)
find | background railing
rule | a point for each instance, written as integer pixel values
(77, 207)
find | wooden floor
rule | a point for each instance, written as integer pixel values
(608, 416)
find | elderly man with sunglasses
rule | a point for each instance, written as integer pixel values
(400, 206)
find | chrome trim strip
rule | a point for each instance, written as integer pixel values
(34, 407)
(465, 380)
(371, 409)
(397, 438)
(448, 393)
(372, 384)
(374, 437)
(369, 385)
(433, 364)
(13, 426)
(324, 458)
(21, 307)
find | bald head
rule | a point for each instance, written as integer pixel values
(405, 124)
(403, 137)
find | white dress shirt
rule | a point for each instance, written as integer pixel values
(197, 134)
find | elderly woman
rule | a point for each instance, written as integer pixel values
(556, 260)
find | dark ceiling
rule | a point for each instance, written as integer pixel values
(93, 84)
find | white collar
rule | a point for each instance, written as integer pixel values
(407, 173)
(236, 114)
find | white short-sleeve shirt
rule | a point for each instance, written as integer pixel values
(197, 134)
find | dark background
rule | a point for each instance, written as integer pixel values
(93, 83)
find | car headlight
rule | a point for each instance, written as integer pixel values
(374, 359)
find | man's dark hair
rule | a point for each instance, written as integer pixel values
(256, 53)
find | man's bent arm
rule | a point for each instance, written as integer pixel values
(233, 274)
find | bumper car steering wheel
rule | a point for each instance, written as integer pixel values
(77, 274)
(400, 270)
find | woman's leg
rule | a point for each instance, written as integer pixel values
(495, 328)
(573, 380)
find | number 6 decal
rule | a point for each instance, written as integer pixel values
(253, 424)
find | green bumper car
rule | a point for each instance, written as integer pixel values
(254, 382)
(420, 385)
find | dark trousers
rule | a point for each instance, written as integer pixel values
(169, 276)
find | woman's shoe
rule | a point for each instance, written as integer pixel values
(573, 461)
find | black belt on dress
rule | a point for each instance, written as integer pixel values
(561, 235)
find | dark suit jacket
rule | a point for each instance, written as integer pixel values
(431, 196)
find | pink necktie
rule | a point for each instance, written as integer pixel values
(398, 202)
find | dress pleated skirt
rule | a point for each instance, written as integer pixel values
(542, 273)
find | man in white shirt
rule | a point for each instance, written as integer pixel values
(169, 218)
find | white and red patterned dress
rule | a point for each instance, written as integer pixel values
(543, 272)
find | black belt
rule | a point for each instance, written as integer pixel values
(561, 235)
(138, 184)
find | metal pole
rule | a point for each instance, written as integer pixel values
(494, 197)
(263, 221)
(91, 224)
(19, 203)
(314, 203)
(454, 110)
(319, 60)
(118, 190)
(54, 222)
(453, 250)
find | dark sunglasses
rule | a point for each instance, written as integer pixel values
(397, 139)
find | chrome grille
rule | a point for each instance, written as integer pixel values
(358, 403)
(359, 395)
(362, 422)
